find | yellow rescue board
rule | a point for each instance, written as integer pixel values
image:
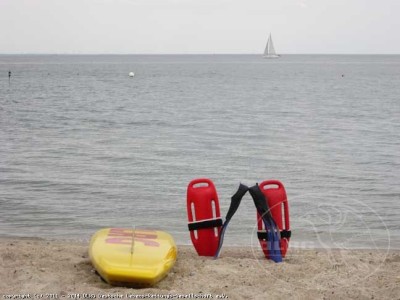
(130, 257)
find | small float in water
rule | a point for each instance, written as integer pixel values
(131, 74)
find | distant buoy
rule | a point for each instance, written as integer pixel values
(131, 74)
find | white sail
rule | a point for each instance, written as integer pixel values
(269, 51)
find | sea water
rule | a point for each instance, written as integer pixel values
(84, 146)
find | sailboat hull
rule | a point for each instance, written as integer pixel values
(271, 56)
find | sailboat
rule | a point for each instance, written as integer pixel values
(269, 51)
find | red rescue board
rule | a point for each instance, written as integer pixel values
(275, 193)
(203, 205)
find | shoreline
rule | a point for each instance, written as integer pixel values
(87, 240)
(62, 268)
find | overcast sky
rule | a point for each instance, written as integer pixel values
(199, 26)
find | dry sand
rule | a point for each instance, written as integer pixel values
(49, 269)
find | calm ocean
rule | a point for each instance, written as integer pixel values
(84, 146)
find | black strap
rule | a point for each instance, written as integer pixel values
(205, 224)
(262, 235)
(285, 234)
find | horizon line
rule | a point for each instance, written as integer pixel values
(88, 53)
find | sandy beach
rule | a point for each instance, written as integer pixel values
(49, 269)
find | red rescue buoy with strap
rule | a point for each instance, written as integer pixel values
(276, 198)
(204, 216)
